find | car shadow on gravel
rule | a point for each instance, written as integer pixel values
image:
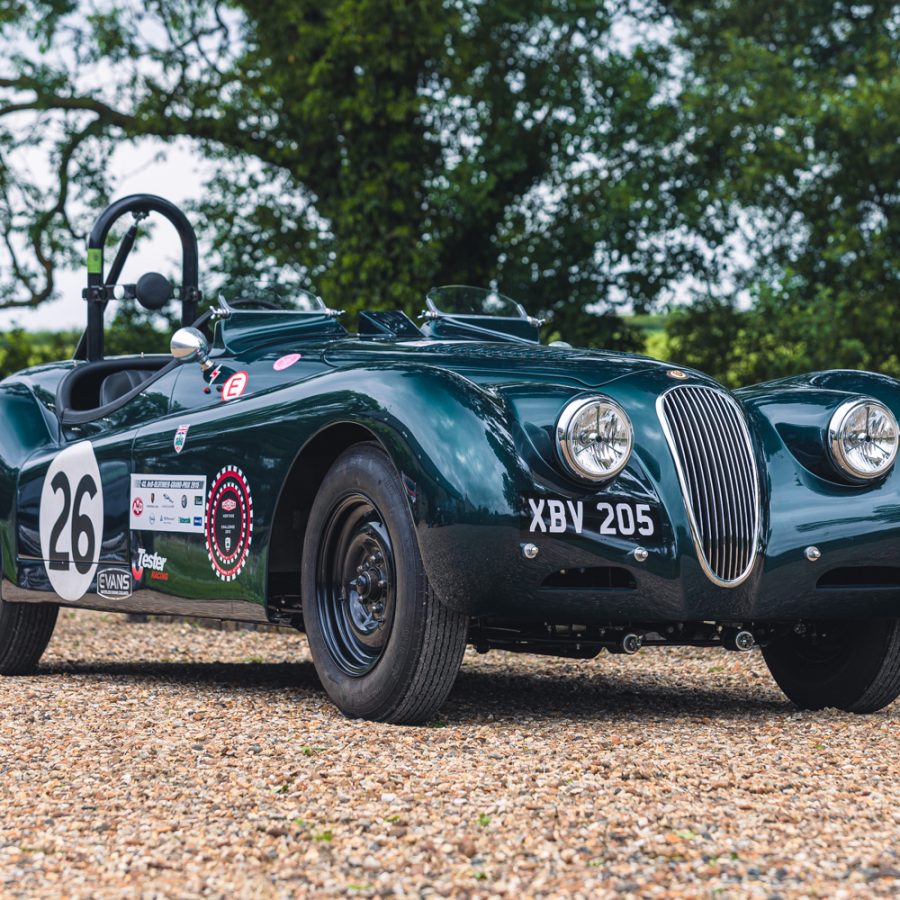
(236, 676)
(480, 696)
(477, 696)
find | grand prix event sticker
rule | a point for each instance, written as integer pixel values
(229, 523)
(172, 503)
(71, 520)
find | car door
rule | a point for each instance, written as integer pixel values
(72, 522)
(191, 518)
(72, 507)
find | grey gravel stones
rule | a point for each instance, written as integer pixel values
(165, 760)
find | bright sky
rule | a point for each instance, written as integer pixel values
(173, 172)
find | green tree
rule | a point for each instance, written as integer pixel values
(368, 147)
(791, 116)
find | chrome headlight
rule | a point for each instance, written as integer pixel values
(594, 438)
(862, 436)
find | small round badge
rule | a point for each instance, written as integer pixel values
(285, 362)
(677, 373)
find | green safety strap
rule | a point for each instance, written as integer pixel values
(95, 261)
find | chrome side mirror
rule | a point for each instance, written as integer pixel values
(189, 344)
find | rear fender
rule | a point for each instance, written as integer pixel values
(27, 426)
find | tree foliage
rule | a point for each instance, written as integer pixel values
(370, 147)
(791, 119)
(583, 155)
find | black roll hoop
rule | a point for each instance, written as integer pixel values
(140, 205)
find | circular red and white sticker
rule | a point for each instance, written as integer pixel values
(285, 362)
(229, 523)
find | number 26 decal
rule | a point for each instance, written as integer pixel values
(71, 520)
(622, 518)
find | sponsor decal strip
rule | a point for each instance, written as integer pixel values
(168, 503)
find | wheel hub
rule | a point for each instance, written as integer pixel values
(356, 595)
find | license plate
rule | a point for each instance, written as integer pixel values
(601, 518)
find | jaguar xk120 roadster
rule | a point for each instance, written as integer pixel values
(404, 491)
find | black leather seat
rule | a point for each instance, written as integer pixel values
(120, 383)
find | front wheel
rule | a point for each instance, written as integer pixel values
(854, 666)
(384, 647)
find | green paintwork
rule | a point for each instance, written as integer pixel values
(469, 425)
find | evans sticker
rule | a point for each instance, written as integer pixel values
(114, 584)
(229, 523)
(71, 521)
(155, 499)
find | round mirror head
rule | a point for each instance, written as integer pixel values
(189, 344)
(153, 291)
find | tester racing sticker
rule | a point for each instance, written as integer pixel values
(229, 523)
(171, 503)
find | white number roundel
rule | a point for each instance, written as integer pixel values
(71, 520)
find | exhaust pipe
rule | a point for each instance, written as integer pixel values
(738, 639)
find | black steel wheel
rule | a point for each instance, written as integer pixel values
(384, 647)
(356, 584)
(854, 666)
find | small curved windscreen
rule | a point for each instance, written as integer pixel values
(274, 298)
(462, 300)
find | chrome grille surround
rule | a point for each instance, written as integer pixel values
(710, 443)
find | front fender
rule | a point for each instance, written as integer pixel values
(853, 526)
(452, 444)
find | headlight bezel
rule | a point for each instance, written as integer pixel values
(564, 450)
(835, 441)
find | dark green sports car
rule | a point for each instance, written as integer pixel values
(408, 489)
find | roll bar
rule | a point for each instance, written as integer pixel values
(141, 205)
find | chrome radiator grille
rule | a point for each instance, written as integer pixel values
(709, 440)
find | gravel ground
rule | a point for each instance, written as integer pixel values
(167, 760)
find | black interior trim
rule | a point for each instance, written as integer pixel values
(81, 387)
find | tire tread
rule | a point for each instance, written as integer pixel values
(885, 686)
(25, 631)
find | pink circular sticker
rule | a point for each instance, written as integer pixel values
(285, 362)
